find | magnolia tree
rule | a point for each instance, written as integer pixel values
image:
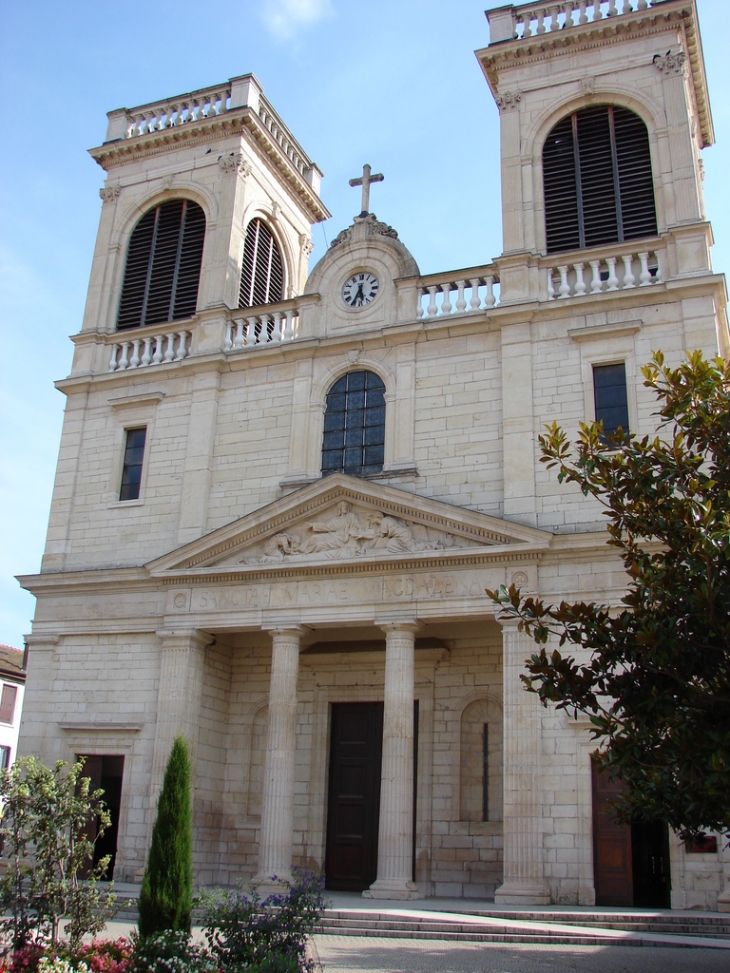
(50, 821)
(653, 675)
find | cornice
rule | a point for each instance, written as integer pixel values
(242, 120)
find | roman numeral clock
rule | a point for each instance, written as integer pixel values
(361, 289)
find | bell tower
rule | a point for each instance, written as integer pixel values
(603, 113)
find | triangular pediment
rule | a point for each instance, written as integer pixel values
(342, 518)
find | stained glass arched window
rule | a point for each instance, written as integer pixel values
(354, 425)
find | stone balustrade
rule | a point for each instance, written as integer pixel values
(621, 272)
(531, 20)
(157, 349)
(463, 292)
(272, 324)
(193, 107)
(281, 136)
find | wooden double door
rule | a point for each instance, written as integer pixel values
(353, 803)
(630, 859)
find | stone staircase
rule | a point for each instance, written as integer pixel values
(496, 926)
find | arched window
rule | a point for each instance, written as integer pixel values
(262, 274)
(597, 179)
(163, 265)
(354, 425)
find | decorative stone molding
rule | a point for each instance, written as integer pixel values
(670, 63)
(168, 181)
(234, 162)
(588, 85)
(109, 193)
(352, 357)
(307, 245)
(508, 100)
(374, 227)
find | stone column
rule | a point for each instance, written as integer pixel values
(395, 830)
(277, 812)
(524, 882)
(723, 899)
(178, 697)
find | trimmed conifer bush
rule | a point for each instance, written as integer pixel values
(166, 897)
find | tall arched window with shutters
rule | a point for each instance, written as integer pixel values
(162, 273)
(262, 273)
(354, 425)
(597, 179)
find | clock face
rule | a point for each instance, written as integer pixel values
(361, 289)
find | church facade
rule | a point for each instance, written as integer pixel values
(281, 495)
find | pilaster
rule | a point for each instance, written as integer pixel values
(524, 882)
(395, 830)
(277, 813)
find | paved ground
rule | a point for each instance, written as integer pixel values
(345, 954)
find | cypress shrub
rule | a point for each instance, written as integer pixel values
(166, 897)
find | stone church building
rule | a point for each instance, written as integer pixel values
(282, 492)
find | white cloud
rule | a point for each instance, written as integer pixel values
(285, 17)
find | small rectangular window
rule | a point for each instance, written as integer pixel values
(7, 703)
(609, 392)
(4, 758)
(485, 772)
(132, 468)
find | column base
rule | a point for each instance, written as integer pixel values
(522, 893)
(392, 889)
(267, 885)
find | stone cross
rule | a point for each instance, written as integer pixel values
(365, 181)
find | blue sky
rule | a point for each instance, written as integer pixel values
(390, 82)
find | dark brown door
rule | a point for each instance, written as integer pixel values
(354, 796)
(650, 854)
(612, 865)
(106, 772)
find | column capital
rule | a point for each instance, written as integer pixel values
(181, 637)
(388, 625)
(293, 630)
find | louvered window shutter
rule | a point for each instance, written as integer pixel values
(597, 180)
(163, 265)
(262, 274)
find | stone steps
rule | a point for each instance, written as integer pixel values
(535, 928)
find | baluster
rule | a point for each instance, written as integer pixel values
(612, 281)
(568, 8)
(295, 324)
(580, 284)
(170, 350)
(157, 357)
(238, 339)
(612, 11)
(445, 303)
(550, 288)
(419, 305)
(645, 275)
(146, 353)
(276, 332)
(113, 359)
(123, 362)
(597, 12)
(642, 5)
(460, 299)
(264, 336)
(134, 360)
(626, 7)
(658, 275)
(582, 16)
(564, 289)
(251, 330)
(289, 325)
(524, 19)
(540, 21)
(629, 279)
(554, 15)
(475, 302)
(491, 299)
(432, 309)
(596, 282)
(182, 350)
(228, 340)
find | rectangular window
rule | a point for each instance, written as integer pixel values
(4, 758)
(7, 703)
(132, 468)
(609, 392)
(485, 772)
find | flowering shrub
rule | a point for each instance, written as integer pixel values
(59, 964)
(24, 960)
(245, 932)
(170, 951)
(106, 955)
